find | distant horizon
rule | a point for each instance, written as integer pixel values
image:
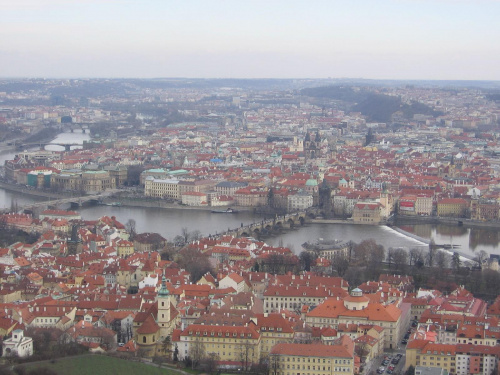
(248, 78)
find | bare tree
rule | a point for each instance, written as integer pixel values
(456, 262)
(416, 257)
(274, 364)
(340, 264)
(211, 363)
(400, 259)
(480, 258)
(196, 352)
(365, 251)
(246, 354)
(431, 254)
(442, 259)
(195, 262)
(131, 228)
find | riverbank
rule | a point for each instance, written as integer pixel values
(145, 202)
(32, 191)
(402, 220)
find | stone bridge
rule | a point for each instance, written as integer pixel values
(267, 226)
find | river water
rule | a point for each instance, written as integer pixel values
(170, 222)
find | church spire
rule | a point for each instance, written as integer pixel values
(163, 292)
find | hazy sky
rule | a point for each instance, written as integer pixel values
(398, 39)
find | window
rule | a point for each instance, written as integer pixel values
(143, 339)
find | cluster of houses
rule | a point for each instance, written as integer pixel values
(116, 296)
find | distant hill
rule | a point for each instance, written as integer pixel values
(344, 93)
(377, 107)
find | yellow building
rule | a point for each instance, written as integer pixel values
(274, 329)
(124, 248)
(161, 188)
(317, 359)
(452, 207)
(367, 213)
(460, 359)
(147, 337)
(234, 345)
(424, 353)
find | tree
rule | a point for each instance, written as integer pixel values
(246, 354)
(480, 258)
(210, 363)
(306, 260)
(176, 353)
(131, 226)
(261, 368)
(274, 263)
(456, 262)
(196, 352)
(185, 234)
(274, 364)
(195, 262)
(431, 254)
(410, 370)
(442, 259)
(400, 259)
(340, 264)
(167, 347)
(390, 257)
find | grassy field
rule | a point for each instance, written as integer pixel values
(99, 365)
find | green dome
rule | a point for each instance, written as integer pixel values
(311, 182)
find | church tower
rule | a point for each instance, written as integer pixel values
(165, 317)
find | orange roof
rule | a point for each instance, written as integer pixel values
(333, 308)
(312, 350)
(149, 326)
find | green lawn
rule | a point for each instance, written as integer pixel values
(100, 365)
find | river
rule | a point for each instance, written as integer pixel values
(170, 222)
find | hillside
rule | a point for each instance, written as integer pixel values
(377, 107)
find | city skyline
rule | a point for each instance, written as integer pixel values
(410, 39)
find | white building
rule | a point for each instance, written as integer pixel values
(18, 345)
(300, 201)
(194, 198)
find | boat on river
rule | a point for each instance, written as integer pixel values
(229, 210)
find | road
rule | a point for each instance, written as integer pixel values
(372, 366)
